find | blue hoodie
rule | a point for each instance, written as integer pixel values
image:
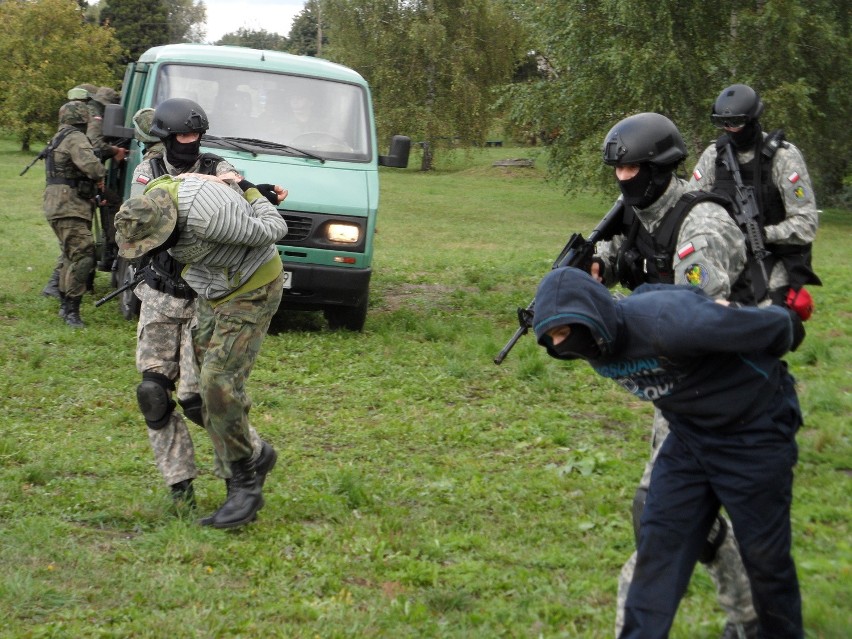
(701, 363)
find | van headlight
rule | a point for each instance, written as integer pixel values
(344, 233)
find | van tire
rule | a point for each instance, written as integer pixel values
(350, 318)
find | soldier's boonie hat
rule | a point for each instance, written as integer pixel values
(144, 222)
(106, 95)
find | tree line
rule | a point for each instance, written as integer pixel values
(448, 72)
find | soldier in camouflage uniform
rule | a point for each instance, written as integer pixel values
(704, 248)
(164, 353)
(777, 171)
(82, 93)
(74, 175)
(228, 244)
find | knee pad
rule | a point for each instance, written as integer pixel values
(714, 540)
(638, 506)
(191, 407)
(154, 395)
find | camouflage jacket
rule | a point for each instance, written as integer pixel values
(710, 249)
(73, 159)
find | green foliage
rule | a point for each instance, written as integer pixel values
(139, 25)
(431, 65)
(607, 60)
(47, 49)
(304, 30)
(421, 491)
(252, 39)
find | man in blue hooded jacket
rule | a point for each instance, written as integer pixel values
(716, 374)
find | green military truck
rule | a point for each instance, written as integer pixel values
(301, 122)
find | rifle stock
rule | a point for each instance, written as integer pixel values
(577, 252)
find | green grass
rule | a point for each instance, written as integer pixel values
(421, 490)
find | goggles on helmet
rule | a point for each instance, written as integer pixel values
(729, 121)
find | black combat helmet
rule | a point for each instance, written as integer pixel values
(736, 106)
(644, 138)
(178, 115)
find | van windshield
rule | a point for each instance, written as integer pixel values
(324, 117)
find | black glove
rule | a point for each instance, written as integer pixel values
(268, 191)
(798, 329)
(245, 185)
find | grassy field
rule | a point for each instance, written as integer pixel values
(421, 490)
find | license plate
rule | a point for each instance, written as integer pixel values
(288, 279)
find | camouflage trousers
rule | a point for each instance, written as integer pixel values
(227, 340)
(164, 346)
(77, 261)
(727, 571)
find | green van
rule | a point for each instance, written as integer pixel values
(301, 122)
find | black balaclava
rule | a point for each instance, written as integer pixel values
(746, 137)
(578, 344)
(646, 187)
(182, 155)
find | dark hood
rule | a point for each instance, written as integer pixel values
(571, 296)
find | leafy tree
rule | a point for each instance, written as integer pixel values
(187, 20)
(432, 64)
(48, 48)
(304, 30)
(607, 60)
(139, 25)
(261, 39)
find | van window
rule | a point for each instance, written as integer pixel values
(324, 116)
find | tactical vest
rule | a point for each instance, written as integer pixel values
(770, 202)
(67, 173)
(649, 257)
(165, 272)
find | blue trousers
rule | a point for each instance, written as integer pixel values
(748, 469)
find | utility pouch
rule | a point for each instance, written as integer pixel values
(86, 189)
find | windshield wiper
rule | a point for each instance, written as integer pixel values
(266, 144)
(231, 141)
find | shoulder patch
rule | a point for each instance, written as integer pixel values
(793, 177)
(143, 179)
(696, 275)
(697, 175)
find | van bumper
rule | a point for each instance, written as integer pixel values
(316, 287)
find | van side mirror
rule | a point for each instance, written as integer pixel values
(399, 151)
(113, 123)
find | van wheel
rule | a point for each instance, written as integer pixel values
(128, 303)
(351, 318)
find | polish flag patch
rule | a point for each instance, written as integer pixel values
(685, 250)
(697, 174)
(143, 179)
(793, 177)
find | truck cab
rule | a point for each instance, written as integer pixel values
(301, 122)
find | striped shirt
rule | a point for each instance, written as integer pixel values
(223, 238)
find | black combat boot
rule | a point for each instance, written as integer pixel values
(262, 465)
(244, 498)
(51, 289)
(72, 312)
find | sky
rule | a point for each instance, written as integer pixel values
(273, 16)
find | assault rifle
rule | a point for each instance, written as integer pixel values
(129, 285)
(40, 156)
(747, 216)
(578, 252)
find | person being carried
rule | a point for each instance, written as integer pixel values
(715, 373)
